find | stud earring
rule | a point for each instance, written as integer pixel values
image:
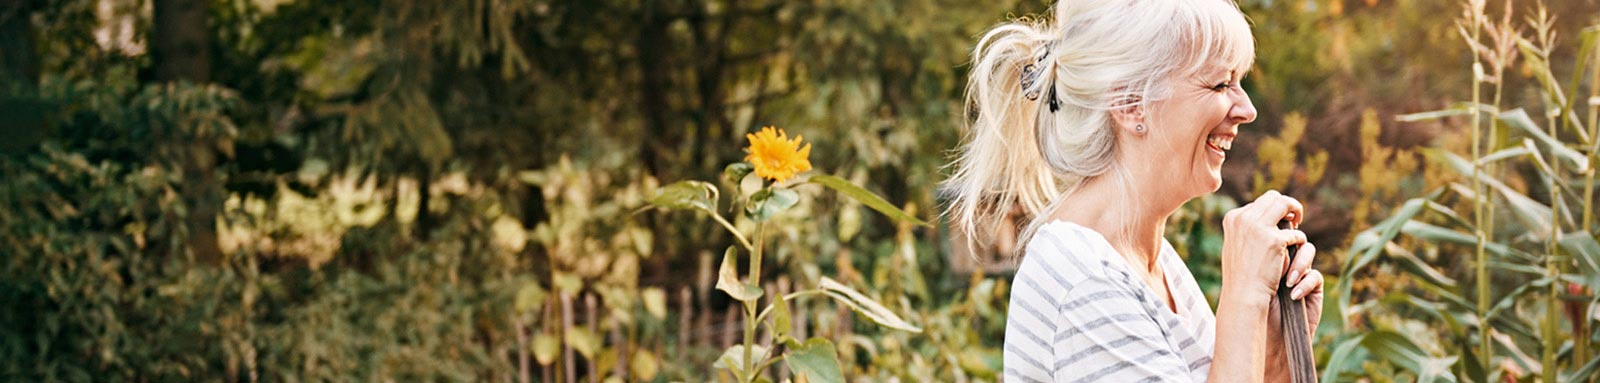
(1138, 129)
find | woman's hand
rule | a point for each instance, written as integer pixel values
(1255, 252)
(1305, 284)
(1254, 259)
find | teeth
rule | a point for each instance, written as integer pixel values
(1220, 142)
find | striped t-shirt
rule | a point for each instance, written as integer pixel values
(1079, 314)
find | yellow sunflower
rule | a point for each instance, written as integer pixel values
(775, 156)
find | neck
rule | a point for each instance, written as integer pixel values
(1131, 215)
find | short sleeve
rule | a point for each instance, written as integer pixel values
(1107, 335)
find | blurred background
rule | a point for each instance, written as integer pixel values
(415, 190)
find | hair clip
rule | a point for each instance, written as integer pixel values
(1030, 75)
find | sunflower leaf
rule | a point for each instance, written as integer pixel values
(687, 195)
(728, 278)
(817, 360)
(866, 198)
(736, 171)
(771, 201)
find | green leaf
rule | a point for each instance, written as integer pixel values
(816, 360)
(1504, 154)
(866, 198)
(780, 318)
(768, 202)
(545, 347)
(865, 305)
(735, 172)
(1508, 301)
(1585, 374)
(530, 296)
(1436, 234)
(655, 302)
(1402, 351)
(1518, 118)
(849, 221)
(732, 359)
(1433, 115)
(1459, 109)
(1416, 266)
(1529, 211)
(568, 283)
(728, 278)
(584, 341)
(1535, 215)
(981, 362)
(1344, 356)
(643, 365)
(687, 195)
(1584, 245)
(1369, 243)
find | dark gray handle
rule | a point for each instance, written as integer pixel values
(1292, 319)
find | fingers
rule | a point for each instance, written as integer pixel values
(1290, 237)
(1276, 206)
(1286, 238)
(1312, 283)
(1302, 261)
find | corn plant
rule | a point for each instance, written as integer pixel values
(1535, 265)
(775, 159)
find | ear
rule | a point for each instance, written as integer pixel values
(1128, 115)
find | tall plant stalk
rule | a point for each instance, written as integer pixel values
(1475, 14)
(1582, 348)
(1552, 270)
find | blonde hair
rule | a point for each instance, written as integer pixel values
(1093, 57)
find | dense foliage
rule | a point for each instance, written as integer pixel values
(409, 190)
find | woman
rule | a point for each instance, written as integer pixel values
(1100, 123)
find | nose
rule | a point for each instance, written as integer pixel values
(1243, 112)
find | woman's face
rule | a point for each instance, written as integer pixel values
(1191, 131)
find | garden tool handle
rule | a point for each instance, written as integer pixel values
(1292, 319)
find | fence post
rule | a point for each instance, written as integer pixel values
(592, 320)
(566, 350)
(523, 375)
(685, 318)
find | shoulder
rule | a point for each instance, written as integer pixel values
(1066, 267)
(1073, 252)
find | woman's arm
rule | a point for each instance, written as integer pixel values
(1240, 352)
(1254, 258)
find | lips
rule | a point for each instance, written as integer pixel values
(1220, 142)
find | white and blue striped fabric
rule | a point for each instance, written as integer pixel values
(1080, 314)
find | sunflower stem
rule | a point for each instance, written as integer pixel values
(750, 305)
(725, 224)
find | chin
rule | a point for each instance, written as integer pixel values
(1208, 184)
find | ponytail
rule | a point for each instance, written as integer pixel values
(1001, 166)
(1039, 96)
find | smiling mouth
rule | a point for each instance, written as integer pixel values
(1219, 142)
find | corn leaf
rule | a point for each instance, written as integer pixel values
(1584, 245)
(865, 305)
(1369, 243)
(1399, 349)
(1585, 374)
(1518, 118)
(1347, 353)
